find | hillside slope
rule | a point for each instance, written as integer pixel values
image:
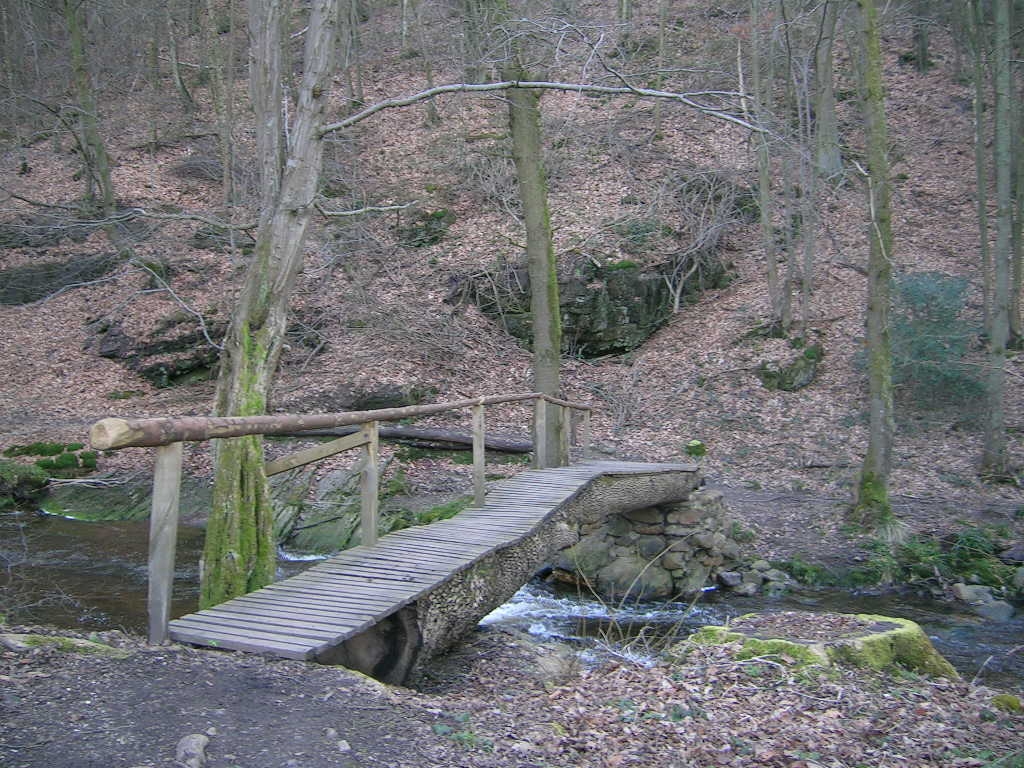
(372, 313)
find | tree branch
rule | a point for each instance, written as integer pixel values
(366, 209)
(687, 99)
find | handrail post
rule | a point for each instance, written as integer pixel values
(163, 538)
(586, 434)
(564, 427)
(540, 433)
(369, 481)
(479, 456)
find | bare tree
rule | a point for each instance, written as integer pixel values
(994, 460)
(871, 503)
(239, 552)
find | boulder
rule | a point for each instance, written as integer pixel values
(859, 640)
(634, 577)
(793, 374)
(981, 600)
(1013, 555)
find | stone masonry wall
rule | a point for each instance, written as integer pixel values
(663, 551)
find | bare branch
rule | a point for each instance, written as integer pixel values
(366, 209)
(686, 99)
(181, 303)
(213, 222)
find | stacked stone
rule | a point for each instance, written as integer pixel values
(666, 551)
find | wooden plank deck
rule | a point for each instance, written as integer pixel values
(350, 592)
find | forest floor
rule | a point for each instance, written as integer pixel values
(788, 460)
(495, 702)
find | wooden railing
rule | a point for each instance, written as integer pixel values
(168, 434)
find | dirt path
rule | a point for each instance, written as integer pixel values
(495, 702)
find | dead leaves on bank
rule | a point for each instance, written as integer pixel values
(715, 711)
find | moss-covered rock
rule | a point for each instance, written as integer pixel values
(793, 374)
(127, 500)
(883, 642)
(1007, 702)
(21, 484)
(23, 643)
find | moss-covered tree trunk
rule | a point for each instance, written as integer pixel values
(872, 492)
(527, 148)
(240, 548)
(994, 458)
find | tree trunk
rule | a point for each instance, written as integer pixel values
(527, 148)
(187, 102)
(99, 189)
(977, 37)
(994, 459)
(764, 169)
(872, 492)
(239, 552)
(267, 24)
(828, 157)
(921, 36)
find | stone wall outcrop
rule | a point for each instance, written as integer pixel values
(665, 550)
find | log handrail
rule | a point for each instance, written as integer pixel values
(113, 433)
(167, 435)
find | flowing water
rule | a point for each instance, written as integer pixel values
(992, 652)
(93, 576)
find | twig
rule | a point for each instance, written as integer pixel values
(181, 302)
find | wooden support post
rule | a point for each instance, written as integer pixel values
(479, 457)
(540, 433)
(585, 439)
(564, 428)
(163, 538)
(369, 480)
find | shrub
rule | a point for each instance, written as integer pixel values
(930, 340)
(426, 228)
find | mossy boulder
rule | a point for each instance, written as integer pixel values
(793, 374)
(21, 484)
(862, 640)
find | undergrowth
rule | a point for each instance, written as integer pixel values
(969, 555)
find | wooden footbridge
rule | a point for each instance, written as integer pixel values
(366, 607)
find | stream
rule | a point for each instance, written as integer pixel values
(86, 575)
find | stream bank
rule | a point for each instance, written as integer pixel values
(92, 576)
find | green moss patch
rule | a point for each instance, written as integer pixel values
(24, 643)
(20, 484)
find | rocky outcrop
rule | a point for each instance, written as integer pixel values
(606, 309)
(39, 278)
(176, 351)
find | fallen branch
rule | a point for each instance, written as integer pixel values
(459, 440)
(687, 99)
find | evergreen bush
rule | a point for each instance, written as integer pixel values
(931, 340)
